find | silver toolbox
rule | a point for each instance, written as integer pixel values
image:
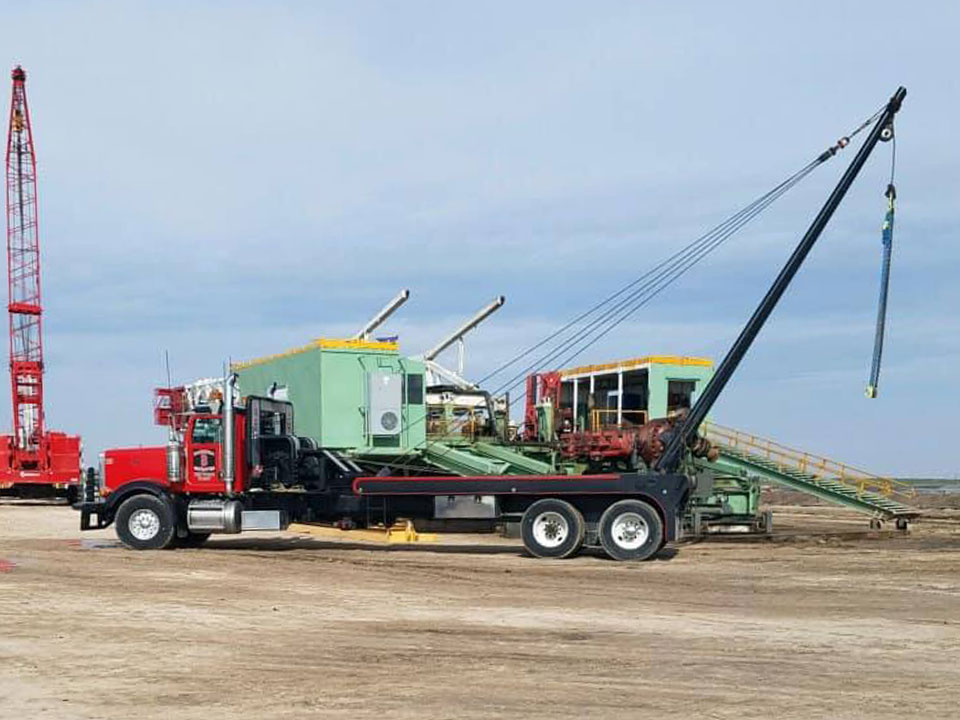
(263, 520)
(465, 507)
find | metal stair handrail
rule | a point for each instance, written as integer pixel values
(816, 466)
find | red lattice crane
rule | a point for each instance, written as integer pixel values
(33, 456)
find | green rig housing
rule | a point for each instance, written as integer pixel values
(355, 396)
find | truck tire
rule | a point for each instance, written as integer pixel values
(145, 522)
(631, 530)
(552, 529)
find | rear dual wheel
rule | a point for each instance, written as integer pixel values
(552, 529)
(631, 530)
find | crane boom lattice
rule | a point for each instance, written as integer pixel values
(23, 262)
(31, 455)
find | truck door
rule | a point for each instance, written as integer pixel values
(203, 453)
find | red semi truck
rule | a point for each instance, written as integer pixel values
(244, 468)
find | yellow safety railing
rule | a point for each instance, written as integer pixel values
(599, 417)
(787, 458)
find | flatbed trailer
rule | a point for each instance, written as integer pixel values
(629, 515)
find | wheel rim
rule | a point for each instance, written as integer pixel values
(629, 531)
(550, 529)
(144, 524)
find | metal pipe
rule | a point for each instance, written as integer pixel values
(229, 378)
(491, 410)
(505, 436)
(884, 289)
(482, 315)
(389, 309)
(679, 438)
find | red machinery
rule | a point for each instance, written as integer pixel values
(32, 456)
(628, 443)
(541, 387)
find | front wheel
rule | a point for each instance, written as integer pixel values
(552, 529)
(631, 530)
(145, 522)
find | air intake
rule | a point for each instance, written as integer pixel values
(385, 402)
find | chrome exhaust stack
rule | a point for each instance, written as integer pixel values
(229, 384)
(173, 458)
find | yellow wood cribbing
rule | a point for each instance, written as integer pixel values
(401, 533)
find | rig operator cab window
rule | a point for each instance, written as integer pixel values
(608, 400)
(628, 393)
(679, 395)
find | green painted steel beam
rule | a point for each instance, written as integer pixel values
(460, 461)
(518, 462)
(833, 491)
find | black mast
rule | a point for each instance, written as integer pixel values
(679, 438)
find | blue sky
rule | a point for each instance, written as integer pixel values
(231, 179)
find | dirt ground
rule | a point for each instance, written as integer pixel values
(841, 625)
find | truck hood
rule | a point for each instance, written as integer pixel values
(126, 465)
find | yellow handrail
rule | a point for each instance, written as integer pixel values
(814, 465)
(637, 417)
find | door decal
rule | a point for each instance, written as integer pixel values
(204, 464)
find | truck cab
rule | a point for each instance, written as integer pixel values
(191, 461)
(182, 491)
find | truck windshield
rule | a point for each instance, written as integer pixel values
(206, 430)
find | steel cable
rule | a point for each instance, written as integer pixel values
(680, 264)
(665, 273)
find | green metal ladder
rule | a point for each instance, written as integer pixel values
(829, 480)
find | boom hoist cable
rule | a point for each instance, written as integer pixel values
(887, 241)
(612, 310)
(637, 292)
